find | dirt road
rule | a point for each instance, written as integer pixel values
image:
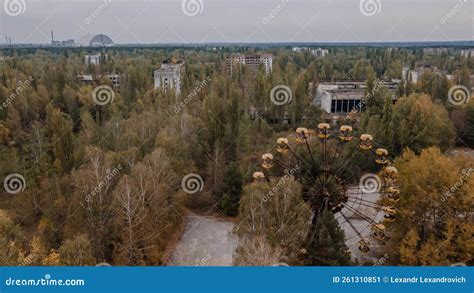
(205, 242)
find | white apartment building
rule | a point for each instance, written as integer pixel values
(299, 49)
(468, 53)
(319, 52)
(251, 61)
(89, 79)
(418, 72)
(92, 59)
(169, 76)
(435, 51)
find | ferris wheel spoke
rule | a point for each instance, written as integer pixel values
(324, 158)
(281, 163)
(298, 158)
(351, 225)
(367, 205)
(344, 165)
(355, 174)
(365, 201)
(347, 180)
(309, 150)
(335, 153)
(363, 216)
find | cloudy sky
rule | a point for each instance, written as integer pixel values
(200, 21)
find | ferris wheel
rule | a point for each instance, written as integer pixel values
(322, 162)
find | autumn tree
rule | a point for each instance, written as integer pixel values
(59, 127)
(76, 252)
(93, 184)
(419, 123)
(256, 251)
(436, 197)
(11, 240)
(147, 212)
(276, 212)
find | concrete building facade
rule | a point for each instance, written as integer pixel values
(251, 61)
(169, 76)
(92, 59)
(319, 52)
(344, 97)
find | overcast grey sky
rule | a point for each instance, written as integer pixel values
(169, 21)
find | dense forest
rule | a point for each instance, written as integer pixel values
(103, 182)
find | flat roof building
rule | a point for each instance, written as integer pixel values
(319, 52)
(418, 72)
(169, 76)
(251, 61)
(94, 58)
(468, 53)
(89, 79)
(343, 97)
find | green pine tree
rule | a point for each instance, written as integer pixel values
(231, 189)
(326, 245)
(386, 133)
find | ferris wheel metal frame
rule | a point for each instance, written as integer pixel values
(324, 185)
